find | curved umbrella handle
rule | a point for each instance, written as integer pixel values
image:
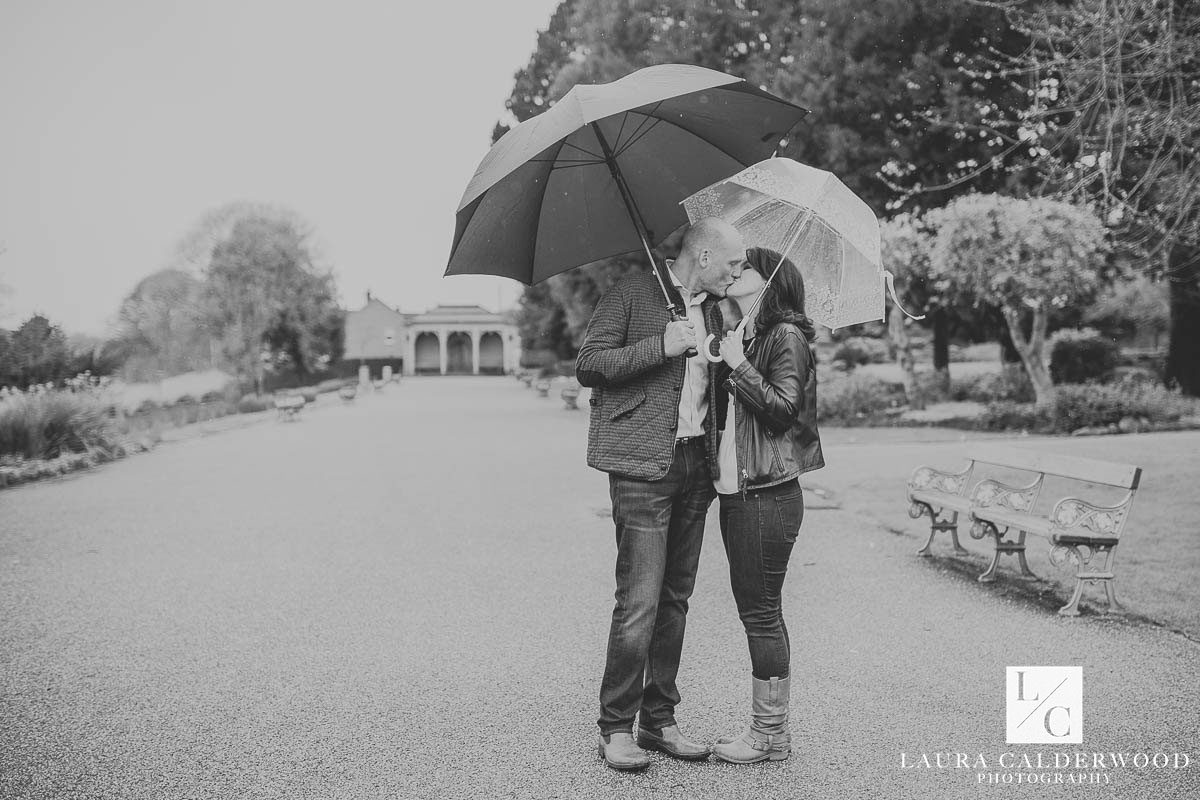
(714, 354)
(890, 280)
(708, 349)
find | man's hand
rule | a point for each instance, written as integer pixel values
(679, 337)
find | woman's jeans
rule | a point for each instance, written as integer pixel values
(759, 532)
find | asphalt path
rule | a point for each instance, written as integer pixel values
(408, 597)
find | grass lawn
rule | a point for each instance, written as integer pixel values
(1157, 564)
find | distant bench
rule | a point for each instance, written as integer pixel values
(289, 405)
(1077, 529)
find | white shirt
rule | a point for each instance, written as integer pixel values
(727, 481)
(693, 400)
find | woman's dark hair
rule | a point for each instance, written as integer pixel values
(784, 298)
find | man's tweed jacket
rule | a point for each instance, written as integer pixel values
(635, 387)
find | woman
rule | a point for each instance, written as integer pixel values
(769, 439)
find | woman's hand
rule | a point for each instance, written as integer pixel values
(732, 350)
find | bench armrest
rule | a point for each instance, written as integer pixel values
(991, 492)
(1072, 514)
(955, 483)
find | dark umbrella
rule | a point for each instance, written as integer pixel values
(604, 170)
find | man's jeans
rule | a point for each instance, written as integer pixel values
(660, 526)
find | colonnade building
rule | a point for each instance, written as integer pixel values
(445, 340)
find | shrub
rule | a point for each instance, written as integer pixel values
(1079, 356)
(1007, 415)
(251, 403)
(859, 350)
(1095, 405)
(854, 399)
(44, 426)
(1010, 385)
(978, 351)
(309, 394)
(333, 384)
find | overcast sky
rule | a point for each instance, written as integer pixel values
(123, 122)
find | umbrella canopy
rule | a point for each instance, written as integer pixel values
(602, 171)
(811, 217)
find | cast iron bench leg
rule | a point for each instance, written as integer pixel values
(936, 525)
(983, 528)
(1083, 575)
(1020, 543)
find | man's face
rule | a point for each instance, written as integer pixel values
(722, 265)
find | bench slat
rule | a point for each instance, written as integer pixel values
(1015, 519)
(1125, 476)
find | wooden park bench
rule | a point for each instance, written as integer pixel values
(289, 405)
(1078, 529)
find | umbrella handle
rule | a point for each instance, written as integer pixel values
(714, 354)
(691, 352)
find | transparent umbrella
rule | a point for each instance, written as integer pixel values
(809, 216)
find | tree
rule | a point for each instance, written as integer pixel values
(541, 322)
(1112, 118)
(879, 77)
(162, 326)
(1134, 307)
(36, 352)
(266, 301)
(905, 248)
(1025, 257)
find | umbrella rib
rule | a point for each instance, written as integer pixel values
(537, 225)
(703, 139)
(571, 164)
(638, 137)
(573, 161)
(624, 120)
(582, 150)
(646, 115)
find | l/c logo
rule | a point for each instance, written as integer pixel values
(1044, 705)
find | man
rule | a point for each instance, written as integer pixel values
(652, 429)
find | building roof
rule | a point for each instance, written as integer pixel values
(456, 313)
(375, 301)
(446, 314)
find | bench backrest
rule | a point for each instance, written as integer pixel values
(1108, 473)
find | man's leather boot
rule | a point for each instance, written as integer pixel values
(768, 737)
(671, 741)
(619, 752)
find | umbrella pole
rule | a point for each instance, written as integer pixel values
(636, 216)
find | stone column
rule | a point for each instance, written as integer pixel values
(410, 352)
(475, 351)
(442, 336)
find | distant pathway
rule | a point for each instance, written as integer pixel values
(408, 597)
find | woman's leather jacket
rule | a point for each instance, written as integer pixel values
(776, 409)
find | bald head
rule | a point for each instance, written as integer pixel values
(711, 256)
(710, 233)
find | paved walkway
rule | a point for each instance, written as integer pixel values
(408, 597)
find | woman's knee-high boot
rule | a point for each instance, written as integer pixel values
(768, 737)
